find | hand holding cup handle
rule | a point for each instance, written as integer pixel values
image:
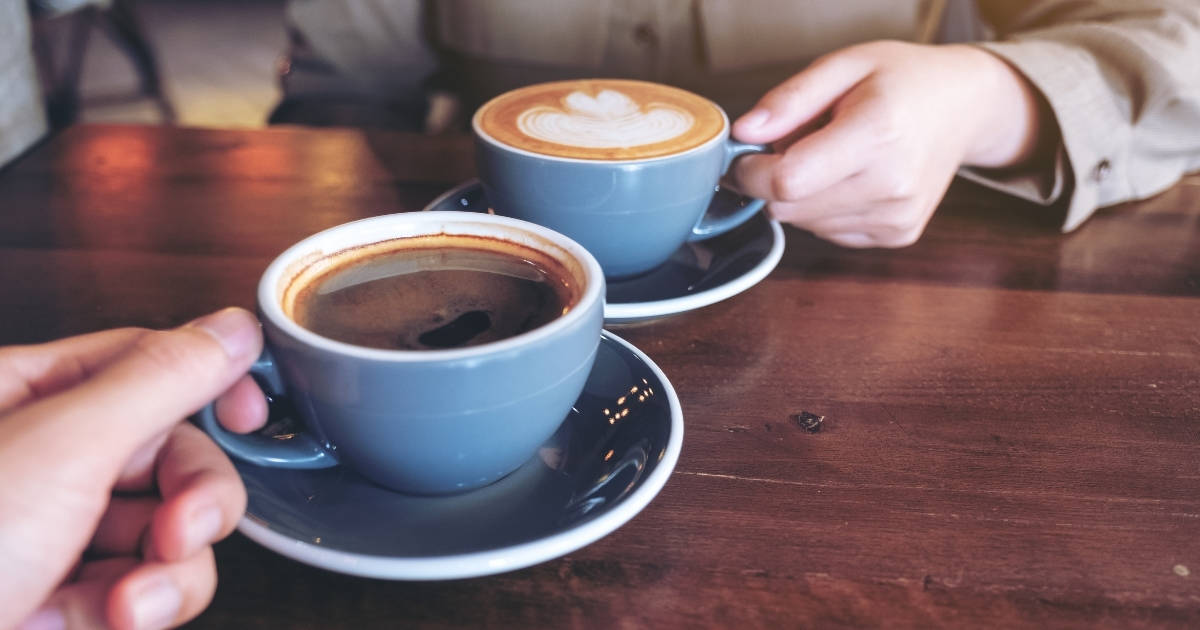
(299, 450)
(726, 212)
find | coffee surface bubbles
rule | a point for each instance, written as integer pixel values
(425, 294)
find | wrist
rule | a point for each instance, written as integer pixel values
(1011, 119)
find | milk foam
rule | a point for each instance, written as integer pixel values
(609, 120)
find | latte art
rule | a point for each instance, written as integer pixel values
(608, 120)
(601, 119)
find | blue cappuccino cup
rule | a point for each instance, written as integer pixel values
(626, 168)
(425, 421)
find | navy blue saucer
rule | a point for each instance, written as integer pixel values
(697, 274)
(611, 456)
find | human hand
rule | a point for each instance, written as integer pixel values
(899, 119)
(110, 504)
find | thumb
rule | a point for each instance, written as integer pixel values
(159, 380)
(60, 455)
(802, 98)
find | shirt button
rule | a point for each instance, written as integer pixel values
(644, 35)
(1102, 171)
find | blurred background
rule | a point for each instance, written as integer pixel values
(204, 63)
(398, 64)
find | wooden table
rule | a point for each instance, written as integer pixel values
(1012, 415)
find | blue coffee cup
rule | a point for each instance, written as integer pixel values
(631, 214)
(420, 421)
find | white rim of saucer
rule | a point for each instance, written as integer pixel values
(630, 312)
(499, 560)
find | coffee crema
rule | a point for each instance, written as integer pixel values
(430, 292)
(601, 119)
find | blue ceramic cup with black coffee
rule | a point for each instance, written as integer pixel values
(626, 168)
(432, 352)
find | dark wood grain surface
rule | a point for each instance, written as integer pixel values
(1012, 415)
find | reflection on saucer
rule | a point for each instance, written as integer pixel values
(697, 275)
(611, 456)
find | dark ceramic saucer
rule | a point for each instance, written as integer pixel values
(611, 456)
(697, 275)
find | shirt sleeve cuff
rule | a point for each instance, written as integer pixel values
(1089, 159)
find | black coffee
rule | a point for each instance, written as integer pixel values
(433, 292)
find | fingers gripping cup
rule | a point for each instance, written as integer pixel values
(432, 352)
(626, 168)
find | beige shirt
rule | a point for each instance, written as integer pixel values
(22, 117)
(1122, 77)
(1123, 81)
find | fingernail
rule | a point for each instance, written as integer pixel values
(754, 118)
(45, 619)
(156, 605)
(203, 528)
(235, 329)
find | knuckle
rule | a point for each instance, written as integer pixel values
(223, 485)
(784, 211)
(176, 354)
(853, 240)
(785, 93)
(746, 171)
(888, 47)
(880, 50)
(894, 184)
(887, 124)
(786, 184)
(901, 239)
(857, 54)
(158, 348)
(895, 222)
(855, 243)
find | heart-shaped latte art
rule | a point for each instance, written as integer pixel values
(608, 120)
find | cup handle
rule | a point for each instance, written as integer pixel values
(298, 450)
(728, 211)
